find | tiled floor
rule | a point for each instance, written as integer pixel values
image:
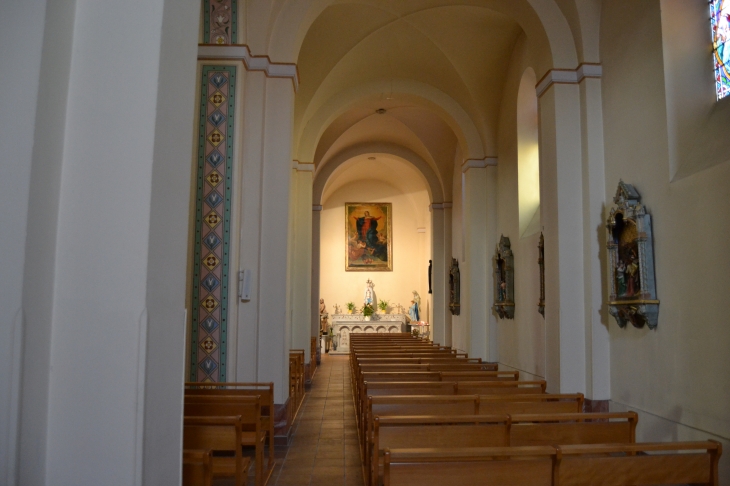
(323, 450)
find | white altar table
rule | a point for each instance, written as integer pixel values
(345, 324)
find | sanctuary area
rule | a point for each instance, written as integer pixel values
(364, 242)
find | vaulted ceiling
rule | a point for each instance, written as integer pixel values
(437, 68)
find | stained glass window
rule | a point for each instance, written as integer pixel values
(720, 23)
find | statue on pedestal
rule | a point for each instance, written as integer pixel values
(369, 296)
(414, 311)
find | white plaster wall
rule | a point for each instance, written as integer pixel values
(696, 124)
(522, 340)
(169, 226)
(411, 249)
(459, 324)
(19, 93)
(679, 372)
(102, 138)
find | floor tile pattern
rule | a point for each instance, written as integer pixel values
(323, 450)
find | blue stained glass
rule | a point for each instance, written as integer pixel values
(720, 25)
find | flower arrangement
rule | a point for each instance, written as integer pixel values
(367, 310)
(350, 307)
(415, 332)
(383, 306)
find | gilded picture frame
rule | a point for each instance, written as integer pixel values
(368, 237)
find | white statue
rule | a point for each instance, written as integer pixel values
(337, 309)
(369, 297)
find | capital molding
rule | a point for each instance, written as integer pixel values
(478, 163)
(241, 52)
(316, 207)
(302, 166)
(568, 76)
(436, 206)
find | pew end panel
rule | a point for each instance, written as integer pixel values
(197, 467)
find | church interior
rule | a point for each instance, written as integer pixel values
(223, 191)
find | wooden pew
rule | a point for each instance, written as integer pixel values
(638, 464)
(405, 432)
(296, 382)
(485, 466)
(220, 433)
(449, 359)
(411, 405)
(197, 468)
(573, 428)
(384, 376)
(312, 357)
(531, 403)
(264, 390)
(448, 388)
(249, 409)
(570, 465)
(463, 405)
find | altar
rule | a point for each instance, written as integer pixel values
(345, 324)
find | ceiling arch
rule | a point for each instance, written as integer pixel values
(542, 21)
(308, 134)
(325, 171)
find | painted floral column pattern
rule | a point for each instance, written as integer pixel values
(212, 224)
(220, 22)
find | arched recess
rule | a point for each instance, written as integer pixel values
(440, 248)
(314, 124)
(528, 156)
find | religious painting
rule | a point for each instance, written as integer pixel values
(631, 261)
(369, 237)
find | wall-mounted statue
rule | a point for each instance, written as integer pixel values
(454, 288)
(631, 261)
(541, 263)
(504, 280)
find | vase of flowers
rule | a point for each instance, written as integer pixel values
(383, 306)
(367, 311)
(350, 307)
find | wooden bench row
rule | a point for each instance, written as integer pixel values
(447, 438)
(464, 405)
(444, 431)
(677, 463)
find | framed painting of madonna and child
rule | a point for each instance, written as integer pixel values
(369, 237)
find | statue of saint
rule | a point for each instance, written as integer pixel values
(323, 316)
(414, 311)
(369, 297)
